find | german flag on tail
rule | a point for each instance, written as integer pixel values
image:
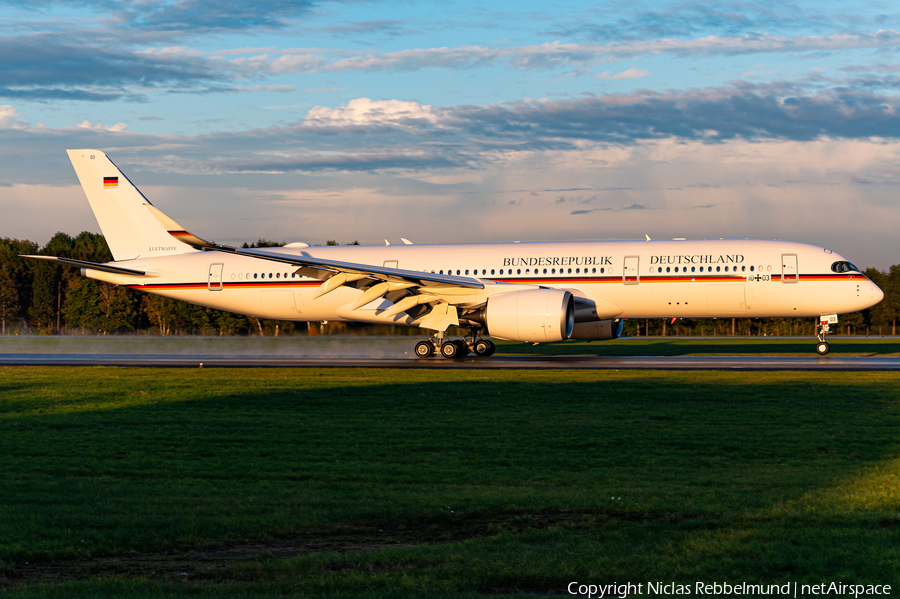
(110, 181)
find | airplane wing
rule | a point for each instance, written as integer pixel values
(438, 295)
(92, 265)
(328, 267)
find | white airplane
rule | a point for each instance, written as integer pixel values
(534, 292)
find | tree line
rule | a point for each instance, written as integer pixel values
(38, 297)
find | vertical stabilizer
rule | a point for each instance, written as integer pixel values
(130, 230)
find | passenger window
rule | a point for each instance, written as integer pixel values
(492, 271)
(676, 269)
(518, 271)
(570, 271)
(552, 271)
(726, 269)
(668, 269)
(254, 275)
(593, 271)
(501, 271)
(467, 271)
(718, 269)
(602, 270)
(278, 276)
(457, 272)
(693, 269)
(769, 268)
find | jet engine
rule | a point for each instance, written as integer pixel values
(536, 315)
(598, 330)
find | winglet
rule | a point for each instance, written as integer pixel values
(177, 231)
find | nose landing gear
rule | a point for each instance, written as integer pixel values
(822, 329)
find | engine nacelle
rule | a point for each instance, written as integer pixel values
(536, 315)
(598, 330)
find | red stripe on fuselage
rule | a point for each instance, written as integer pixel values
(519, 280)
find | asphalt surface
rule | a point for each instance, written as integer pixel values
(497, 362)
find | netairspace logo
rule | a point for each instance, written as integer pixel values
(720, 589)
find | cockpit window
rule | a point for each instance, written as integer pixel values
(840, 267)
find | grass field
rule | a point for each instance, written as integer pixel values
(258, 483)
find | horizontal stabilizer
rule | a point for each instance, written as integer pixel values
(118, 270)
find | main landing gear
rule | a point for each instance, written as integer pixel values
(455, 348)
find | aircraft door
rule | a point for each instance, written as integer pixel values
(214, 282)
(630, 274)
(789, 272)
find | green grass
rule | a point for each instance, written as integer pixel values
(145, 482)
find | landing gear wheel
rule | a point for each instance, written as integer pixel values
(484, 348)
(450, 349)
(424, 349)
(822, 348)
(463, 348)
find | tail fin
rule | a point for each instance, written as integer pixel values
(130, 230)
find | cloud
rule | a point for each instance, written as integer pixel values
(110, 63)
(9, 118)
(632, 73)
(115, 128)
(556, 54)
(192, 17)
(384, 26)
(366, 135)
(363, 112)
(712, 114)
(608, 209)
(47, 66)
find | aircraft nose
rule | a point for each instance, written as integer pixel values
(877, 293)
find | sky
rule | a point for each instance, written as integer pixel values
(458, 122)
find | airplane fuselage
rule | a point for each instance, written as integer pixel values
(624, 279)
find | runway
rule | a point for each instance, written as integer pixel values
(497, 362)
